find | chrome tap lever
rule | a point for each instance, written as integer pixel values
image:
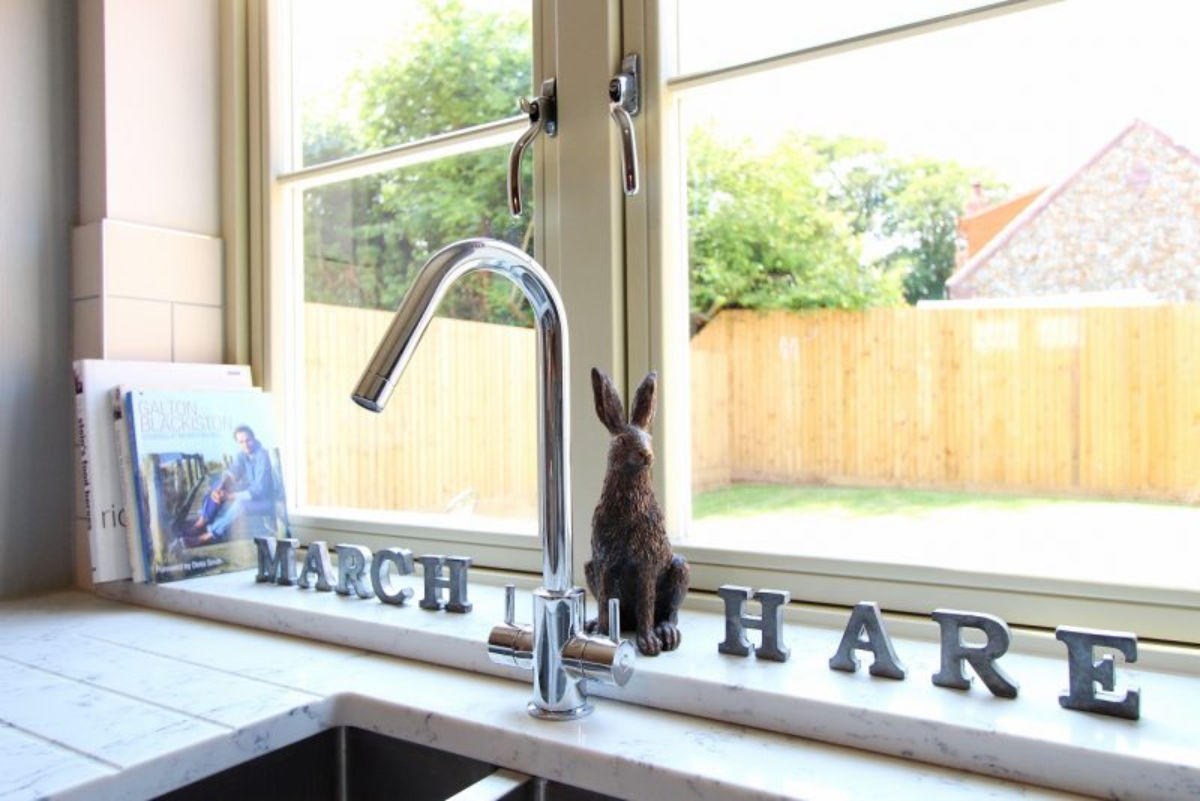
(607, 659)
(509, 643)
(543, 116)
(624, 104)
(510, 604)
(614, 619)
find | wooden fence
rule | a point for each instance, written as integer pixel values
(460, 430)
(1099, 401)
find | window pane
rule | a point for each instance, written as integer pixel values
(710, 37)
(1050, 410)
(369, 74)
(458, 436)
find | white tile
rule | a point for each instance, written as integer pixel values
(160, 680)
(87, 335)
(103, 725)
(137, 329)
(141, 261)
(86, 258)
(33, 768)
(197, 333)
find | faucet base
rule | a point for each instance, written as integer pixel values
(581, 711)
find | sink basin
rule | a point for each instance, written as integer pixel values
(543, 790)
(351, 764)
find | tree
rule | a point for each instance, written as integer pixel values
(807, 222)
(365, 239)
(907, 207)
(764, 233)
(817, 222)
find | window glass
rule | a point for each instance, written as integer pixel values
(713, 34)
(458, 436)
(944, 298)
(368, 74)
(458, 439)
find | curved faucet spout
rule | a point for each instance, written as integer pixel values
(409, 324)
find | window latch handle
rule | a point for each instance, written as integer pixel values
(624, 103)
(543, 116)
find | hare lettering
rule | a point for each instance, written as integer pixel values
(631, 556)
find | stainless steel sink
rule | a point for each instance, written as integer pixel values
(536, 789)
(350, 764)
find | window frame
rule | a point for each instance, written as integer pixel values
(619, 264)
(656, 252)
(579, 40)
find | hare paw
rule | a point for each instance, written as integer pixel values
(668, 634)
(648, 644)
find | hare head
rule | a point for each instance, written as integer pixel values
(630, 449)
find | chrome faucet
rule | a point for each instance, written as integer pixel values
(560, 654)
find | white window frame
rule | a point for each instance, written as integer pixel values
(580, 44)
(619, 264)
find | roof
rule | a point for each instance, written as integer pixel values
(1047, 199)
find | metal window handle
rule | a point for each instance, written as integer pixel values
(624, 104)
(543, 116)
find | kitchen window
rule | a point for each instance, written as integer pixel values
(811, 184)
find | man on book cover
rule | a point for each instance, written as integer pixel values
(246, 491)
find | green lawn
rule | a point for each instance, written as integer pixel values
(742, 500)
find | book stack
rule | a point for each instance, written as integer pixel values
(179, 469)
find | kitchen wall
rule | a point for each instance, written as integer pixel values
(38, 205)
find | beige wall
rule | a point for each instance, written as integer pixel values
(38, 196)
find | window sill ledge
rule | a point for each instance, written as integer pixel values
(1028, 739)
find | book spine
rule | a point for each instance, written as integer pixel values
(153, 543)
(84, 501)
(138, 544)
(128, 496)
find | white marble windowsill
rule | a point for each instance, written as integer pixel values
(1028, 739)
(106, 700)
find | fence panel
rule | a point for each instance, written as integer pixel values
(1099, 401)
(459, 431)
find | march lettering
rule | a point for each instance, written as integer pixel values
(363, 574)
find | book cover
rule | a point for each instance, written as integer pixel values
(100, 508)
(207, 479)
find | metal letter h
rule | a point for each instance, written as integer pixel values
(770, 623)
(434, 582)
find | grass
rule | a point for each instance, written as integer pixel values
(744, 500)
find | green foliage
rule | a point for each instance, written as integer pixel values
(764, 236)
(817, 222)
(807, 222)
(365, 239)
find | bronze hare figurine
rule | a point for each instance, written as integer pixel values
(631, 556)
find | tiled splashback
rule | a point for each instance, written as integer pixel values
(149, 293)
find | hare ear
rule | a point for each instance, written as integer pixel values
(644, 402)
(609, 408)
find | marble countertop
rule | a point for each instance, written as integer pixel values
(111, 700)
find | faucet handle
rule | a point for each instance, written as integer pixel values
(614, 619)
(510, 604)
(606, 659)
(511, 644)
